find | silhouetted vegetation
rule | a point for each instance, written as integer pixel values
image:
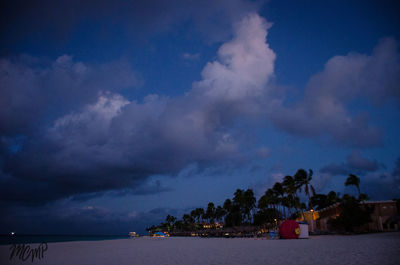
(352, 215)
(279, 202)
(282, 201)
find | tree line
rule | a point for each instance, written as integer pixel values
(282, 201)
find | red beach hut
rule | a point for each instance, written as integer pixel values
(289, 229)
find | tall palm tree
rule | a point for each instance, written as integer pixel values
(227, 205)
(278, 189)
(170, 221)
(286, 205)
(268, 202)
(353, 180)
(219, 213)
(290, 188)
(249, 202)
(187, 219)
(278, 194)
(304, 179)
(210, 212)
(197, 214)
(193, 214)
(200, 213)
(271, 198)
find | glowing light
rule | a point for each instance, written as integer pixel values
(12, 233)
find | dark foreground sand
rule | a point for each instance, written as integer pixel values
(344, 250)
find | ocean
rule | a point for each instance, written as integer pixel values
(25, 239)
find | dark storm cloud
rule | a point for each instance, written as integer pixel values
(67, 132)
(355, 164)
(30, 91)
(112, 143)
(33, 94)
(56, 21)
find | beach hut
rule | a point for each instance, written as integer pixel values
(289, 229)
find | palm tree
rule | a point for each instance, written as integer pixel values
(278, 193)
(210, 212)
(271, 198)
(263, 202)
(278, 189)
(249, 202)
(266, 200)
(219, 213)
(227, 205)
(170, 220)
(303, 179)
(193, 214)
(238, 197)
(200, 213)
(243, 202)
(353, 180)
(290, 189)
(286, 205)
(188, 219)
(197, 214)
(289, 185)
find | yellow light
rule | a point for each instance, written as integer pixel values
(312, 210)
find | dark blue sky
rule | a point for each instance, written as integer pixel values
(115, 113)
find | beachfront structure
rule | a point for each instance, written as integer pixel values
(133, 234)
(385, 217)
(215, 225)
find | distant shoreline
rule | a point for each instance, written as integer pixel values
(31, 239)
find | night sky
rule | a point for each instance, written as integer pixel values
(115, 113)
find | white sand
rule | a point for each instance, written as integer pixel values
(344, 250)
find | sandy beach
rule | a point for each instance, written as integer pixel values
(358, 249)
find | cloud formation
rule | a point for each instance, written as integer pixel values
(382, 185)
(91, 139)
(113, 143)
(355, 164)
(30, 91)
(326, 106)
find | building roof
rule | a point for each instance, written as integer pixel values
(386, 201)
(363, 202)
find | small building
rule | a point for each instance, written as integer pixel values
(384, 217)
(215, 225)
(133, 234)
